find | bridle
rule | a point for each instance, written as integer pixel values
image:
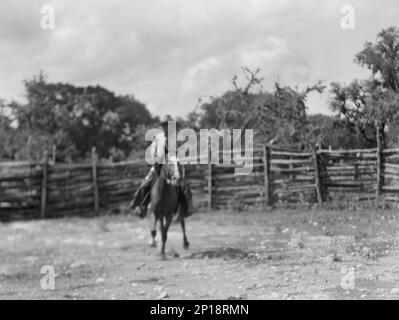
(165, 172)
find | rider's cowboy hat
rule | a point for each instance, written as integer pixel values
(165, 120)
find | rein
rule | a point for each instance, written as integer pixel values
(183, 172)
(165, 172)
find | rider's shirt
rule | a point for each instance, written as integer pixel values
(158, 148)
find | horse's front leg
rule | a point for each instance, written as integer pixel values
(165, 223)
(153, 227)
(186, 244)
(164, 236)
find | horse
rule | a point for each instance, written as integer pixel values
(164, 205)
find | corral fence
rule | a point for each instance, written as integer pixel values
(43, 190)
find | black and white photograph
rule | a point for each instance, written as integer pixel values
(199, 150)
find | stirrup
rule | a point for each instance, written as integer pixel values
(140, 212)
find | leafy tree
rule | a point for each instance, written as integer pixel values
(366, 104)
(75, 119)
(5, 129)
(382, 58)
(278, 117)
(330, 132)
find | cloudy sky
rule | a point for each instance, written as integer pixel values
(168, 53)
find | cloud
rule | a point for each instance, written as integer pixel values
(168, 53)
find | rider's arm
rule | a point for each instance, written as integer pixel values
(154, 148)
(158, 148)
(158, 151)
(173, 159)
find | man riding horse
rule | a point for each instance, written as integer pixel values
(159, 150)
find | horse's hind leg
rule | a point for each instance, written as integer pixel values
(186, 244)
(152, 243)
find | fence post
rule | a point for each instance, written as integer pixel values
(94, 160)
(43, 203)
(379, 167)
(291, 175)
(209, 180)
(54, 154)
(267, 176)
(317, 177)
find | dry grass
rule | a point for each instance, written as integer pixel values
(283, 254)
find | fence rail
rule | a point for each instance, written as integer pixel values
(45, 190)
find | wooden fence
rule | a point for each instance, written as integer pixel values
(279, 177)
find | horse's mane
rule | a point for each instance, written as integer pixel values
(164, 171)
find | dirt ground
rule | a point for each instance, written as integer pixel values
(281, 254)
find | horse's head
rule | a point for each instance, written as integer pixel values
(166, 171)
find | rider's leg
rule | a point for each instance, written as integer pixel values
(186, 201)
(189, 200)
(141, 197)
